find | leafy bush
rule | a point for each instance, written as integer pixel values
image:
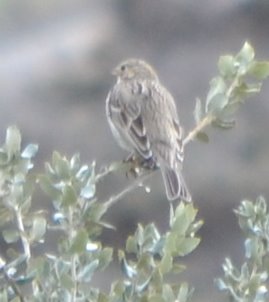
(149, 257)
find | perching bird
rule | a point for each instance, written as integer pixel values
(143, 118)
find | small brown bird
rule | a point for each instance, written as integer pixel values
(143, 118)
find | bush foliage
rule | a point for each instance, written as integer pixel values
(149, 257)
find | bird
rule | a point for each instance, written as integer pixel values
(143, 118)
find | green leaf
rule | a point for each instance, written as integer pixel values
(227, 66)
(180, 210)
(3, 157)
(184, 293)
(19, 260)
(228, 111)
(143, 284)
(11, 235)
(145, 261)
(260, 70)
(222, 124)
(246, 54)
(166, 263)
(187, 245)
(69, 197)
(170, 243)
(4, 295)
(131, 245)
(48, 188)
(168, 294)
(202, 136)
(13, 141)
(79, 242)
(217, 103)
(156, 298)
(30, 151)
(117, 288)
(195, 227)
(85, 275)
(253, 248)
(246, 90)
(217, 89)
(181, 224)
(67, 282)
(198, 114)
(139, 235)
(38, 228)
(128, 270)
(61, 165)
(75, 162)
(151, 238)
(184, 216)
(157, 279)
(83, 173)
(105, 257)
(103, 298)
(178, 268)
(5, 215)
(261, 206)
(88, 191)
(97, 211)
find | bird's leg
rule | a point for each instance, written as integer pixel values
(138, 164)
(130, 158)
(134, 163)
(149, 164)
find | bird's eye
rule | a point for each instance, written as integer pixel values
(123, 67)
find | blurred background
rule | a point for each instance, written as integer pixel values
(55, 63)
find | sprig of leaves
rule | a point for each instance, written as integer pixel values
(154, 257)
(240, 77)
(19, 225)
(250, 282)
(77, 218)
(71, 188)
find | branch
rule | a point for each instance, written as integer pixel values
(207, 120)
(115, 166)
(137, 183)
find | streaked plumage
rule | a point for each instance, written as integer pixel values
(143, 118)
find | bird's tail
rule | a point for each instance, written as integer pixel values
(175, 185)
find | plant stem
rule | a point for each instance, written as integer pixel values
(74, 277)
(207, 120)
(24, 239)
(70, 234)
(138, 182)
(115, 166)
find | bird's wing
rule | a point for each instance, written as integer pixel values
(126, 117)
(168, 138)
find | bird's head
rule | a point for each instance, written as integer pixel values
(134, 69)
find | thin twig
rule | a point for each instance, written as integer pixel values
(113, 199)
(207, 120)
(115, 166)
(232, 87)
(102, 174)
(24, 239)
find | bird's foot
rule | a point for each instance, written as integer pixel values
(149, 164)
(138, 165)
